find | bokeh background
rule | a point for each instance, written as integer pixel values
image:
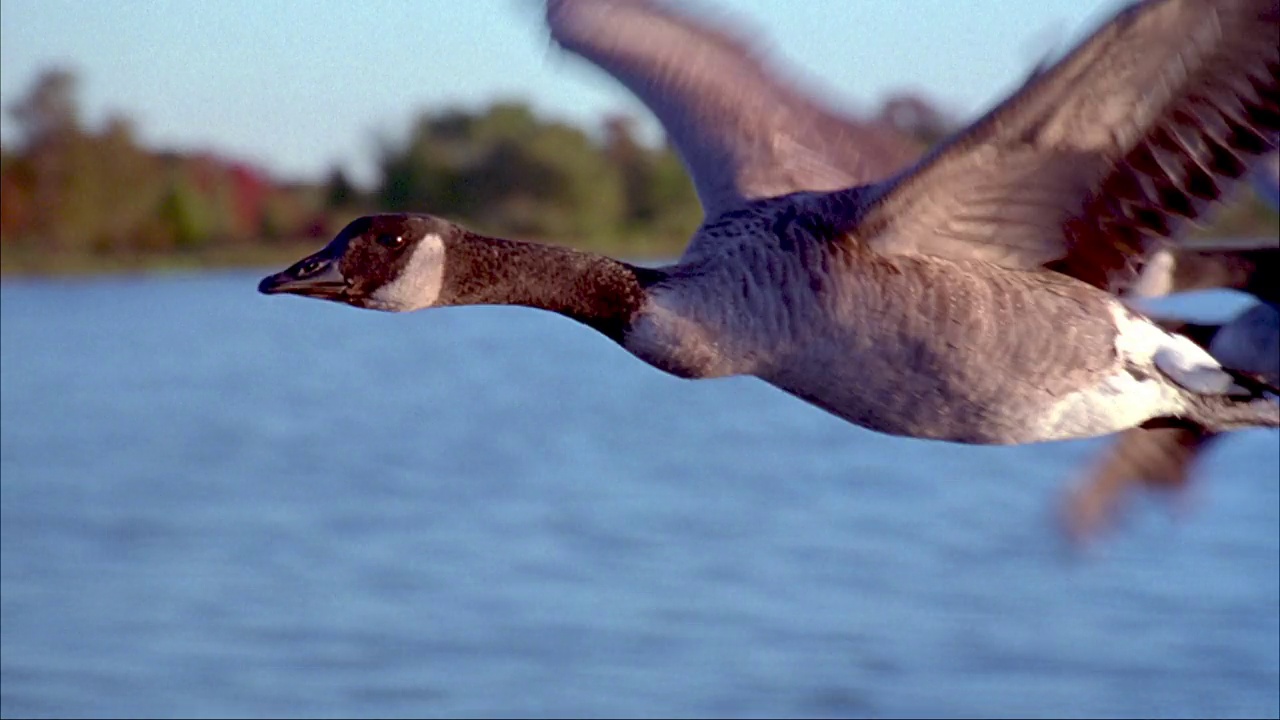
(218, 504)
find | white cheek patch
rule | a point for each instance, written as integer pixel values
(419, 282)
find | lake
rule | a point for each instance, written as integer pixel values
(220, 504)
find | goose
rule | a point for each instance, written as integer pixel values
(970, 297)
(1162, 458)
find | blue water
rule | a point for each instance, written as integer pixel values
(217, 503)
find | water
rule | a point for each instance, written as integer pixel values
(216, 503)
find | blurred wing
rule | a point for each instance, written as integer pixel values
(1139, 459)
(1140, 127)
(1266, 179)
(742, 132)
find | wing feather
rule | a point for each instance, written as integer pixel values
(743, 130)
(1096, 160)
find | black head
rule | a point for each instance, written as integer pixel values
(389, 262)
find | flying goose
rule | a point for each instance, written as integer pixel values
(1161, 458)
(969, 298)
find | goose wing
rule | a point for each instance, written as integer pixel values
(1139, 128)
(742, 132)
(1139, 458)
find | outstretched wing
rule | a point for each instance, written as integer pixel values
(743, 131)
(1141, 127)
(1139, 458)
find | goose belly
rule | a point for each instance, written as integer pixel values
(915, 399)
(917, 404)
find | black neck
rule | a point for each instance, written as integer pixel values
(595, 290)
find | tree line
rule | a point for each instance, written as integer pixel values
(67, 190)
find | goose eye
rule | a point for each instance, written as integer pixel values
(390, 241)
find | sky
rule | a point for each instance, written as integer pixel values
(299, 87)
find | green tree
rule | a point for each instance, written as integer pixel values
(339, 192)
(48, 120)
(504, 170)
(635, 166)
(679, 211)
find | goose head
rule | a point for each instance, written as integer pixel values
(391, 262)
(403, 262)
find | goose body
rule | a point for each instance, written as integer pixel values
(971, 297)
(996, 356)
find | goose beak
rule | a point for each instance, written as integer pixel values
(315, 276)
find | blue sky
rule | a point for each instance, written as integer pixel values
(298, 87)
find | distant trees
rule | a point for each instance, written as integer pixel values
(68, 189)
(39, 172)
(506, 170)
(340, 193)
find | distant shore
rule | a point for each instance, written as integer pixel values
(23, 261)
(18, 262)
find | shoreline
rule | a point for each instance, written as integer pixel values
(22, 262)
